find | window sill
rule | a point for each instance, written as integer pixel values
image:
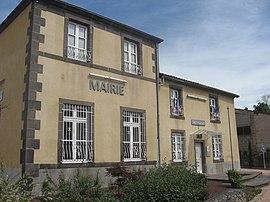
(134, 74)
(215, 121)
(218, 161)
(180, 163)
(177, 117)
(79, 62)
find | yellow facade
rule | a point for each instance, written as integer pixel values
(198, 109)
(52, 72)
(12, 71)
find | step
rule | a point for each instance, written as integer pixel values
(260, 181)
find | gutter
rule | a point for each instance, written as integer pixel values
(157, 94)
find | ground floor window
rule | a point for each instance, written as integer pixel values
(178, 146)
(217, 147)
(134, 137)
(77, 133)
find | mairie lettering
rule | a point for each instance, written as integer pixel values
(106, 87)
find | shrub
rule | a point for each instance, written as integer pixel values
(253, 193)
(167, 183)
(78, 188)
(19, 191)
(122, 174)
(235, 178)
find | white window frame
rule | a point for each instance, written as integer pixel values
(77, 133)
(129, 66)
(217, 147)
(134, 137)
(74, 51)
(214, 109)
(178, 146)
(176, 107)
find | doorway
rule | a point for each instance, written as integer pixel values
(199, 156)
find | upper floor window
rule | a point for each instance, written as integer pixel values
(131, 56)
(178, 146)
(217, 147)
(214, 109)
(176, 103)
(77, 42)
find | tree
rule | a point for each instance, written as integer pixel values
(263, 104)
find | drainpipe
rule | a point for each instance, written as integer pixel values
(157, 94)
(228, 110)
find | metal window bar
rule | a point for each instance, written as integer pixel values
(132, 68)
(176, 103)
(77, 137)
(178, 147)
(134, 139)
(78, 54)
(217, 147)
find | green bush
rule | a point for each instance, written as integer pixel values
(78, 188)
(19, 191)
(167, 183)
(251, 195)
(235, 178)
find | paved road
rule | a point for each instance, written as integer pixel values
(265, 195)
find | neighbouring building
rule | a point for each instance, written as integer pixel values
(79, 90)
(253, 136)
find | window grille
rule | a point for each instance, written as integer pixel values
(217, 147)
(176, 105)
(77, 134)
(134, 139)
(178, 147)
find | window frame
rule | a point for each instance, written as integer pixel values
(141, 125)
(217, 143)
(139, 67)
(88, 120)
(88, 41)
(174, 143)
(214, 110)
(180, 102)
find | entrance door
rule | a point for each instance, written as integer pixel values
(198, 156)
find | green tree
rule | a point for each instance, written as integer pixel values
(263, 104)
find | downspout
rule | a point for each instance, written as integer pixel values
(157, 94)
(230, 133)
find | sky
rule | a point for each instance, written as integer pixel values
(219, 43)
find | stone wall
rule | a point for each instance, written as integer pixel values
(234, 195)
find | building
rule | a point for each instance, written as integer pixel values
(198, 125)
(253, 134)
(79, 90)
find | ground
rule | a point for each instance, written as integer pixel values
(216, 188)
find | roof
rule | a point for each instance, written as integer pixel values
(80, 11)
(196, 85)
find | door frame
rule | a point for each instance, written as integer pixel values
(202, 152)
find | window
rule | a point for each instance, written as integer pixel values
(77, 42)
(178, 147)
(245, 130)
(217, 147)
(134, 139)
(214, 109)
(77, 140)
(176, 103)
(131, 64)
